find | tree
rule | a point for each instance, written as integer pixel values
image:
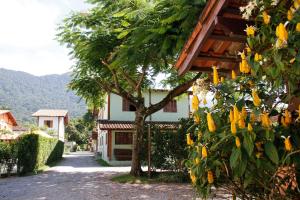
(122, 46)
(77, 131)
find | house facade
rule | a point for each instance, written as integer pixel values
(54, 120)
(116, 123)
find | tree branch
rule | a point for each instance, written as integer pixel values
(172, 94)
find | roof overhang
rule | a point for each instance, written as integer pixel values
(129, 125)
(217, 38)
(10, 115)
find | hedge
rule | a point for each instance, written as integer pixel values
(35, 151)
(8, 157)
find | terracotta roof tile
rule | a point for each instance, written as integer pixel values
(129, 125)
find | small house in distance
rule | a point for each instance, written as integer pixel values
(7, 120)
(54, 120)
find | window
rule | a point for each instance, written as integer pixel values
(123, 138)
(127, 106)
(48, 123)
(171, 106)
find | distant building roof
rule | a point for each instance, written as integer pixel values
(10, 115)
(20, 128)
(50, 113)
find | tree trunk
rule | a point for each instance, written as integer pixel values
(137, 142)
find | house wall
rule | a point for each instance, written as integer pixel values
(58, 125)
(103, 145)
(116, 112)
(5, 122)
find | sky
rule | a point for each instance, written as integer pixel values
(27, 35)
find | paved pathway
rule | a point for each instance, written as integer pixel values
(79, 177)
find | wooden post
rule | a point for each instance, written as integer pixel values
(149, 151)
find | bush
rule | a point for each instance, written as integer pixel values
(8, 157)
(168, 149)
(36, 151)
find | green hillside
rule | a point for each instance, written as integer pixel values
(24, 94)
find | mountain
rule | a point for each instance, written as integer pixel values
(24, 94)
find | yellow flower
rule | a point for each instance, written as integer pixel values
(250, 129)
(250, 30)
(216, 75)
(233, 128)
(266, 122)
(296, 4)
(204, 101)
(256, 99)
(195, 103)
(210, 177)
(193, 178)
(231, 116)
(244, 113)
(290, 15)
(233, 75)
(283, 122)
(245, 68)
(292, 60)
(288, 117)
(266, 17)
(281, 32)
(196, 119)
(211, 123)
(287, 144)
(259, 146)
(298, 27)
(189, 141)
(204, 152)
(248, 49)
(237, 142)
(243, 56)
(242, 123)
(236, 114)
(257, 57)
(197, 161)
(222, 79)
(258, 154)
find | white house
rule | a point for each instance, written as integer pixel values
(54, 120)
(116, 122)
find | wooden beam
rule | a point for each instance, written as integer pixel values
(206, 30)
(208, 69)
(229, 38)
(217, 59)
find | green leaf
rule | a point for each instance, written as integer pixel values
(248, 144)
(271, 152)
(235, 157)
(123, 34)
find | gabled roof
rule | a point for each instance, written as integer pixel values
(8, 112)
(50, 113)
(217, 38)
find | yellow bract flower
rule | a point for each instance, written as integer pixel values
(298, 27)
(256, 99)
(250, 129)
(242, 123)
(222, 79)
(196, 119)
(252, 117)
(197, 161)
(248, 49)
(287, 117)
(287, 144)
(195, 103)
(283, 122)
(237, 142)
(211, 123)
(266, 17)
(233, 75)
(243, 56)
(281, 32)
(236, 114)
(244, 67)
(189, 141)
(250, 30)
(204, 152)
(216, 75)
(204, 101)
(257, 57)
(233, 128)
(193, 177)
(210, 177)
(259, 146)
(290, 15)
(265, 120)
(296, 4)
(244, 113)
(231, 116)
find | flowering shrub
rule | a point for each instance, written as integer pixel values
(249, 142)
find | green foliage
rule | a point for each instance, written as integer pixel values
(8, 157)
(31, 93)
(35, 151)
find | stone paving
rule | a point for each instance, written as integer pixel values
(79, 177)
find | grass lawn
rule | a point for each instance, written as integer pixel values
(157, 177)
(103, 163)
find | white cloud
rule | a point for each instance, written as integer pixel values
(27, 32)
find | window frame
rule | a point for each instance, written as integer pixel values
(171, 107)
(119, 139)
